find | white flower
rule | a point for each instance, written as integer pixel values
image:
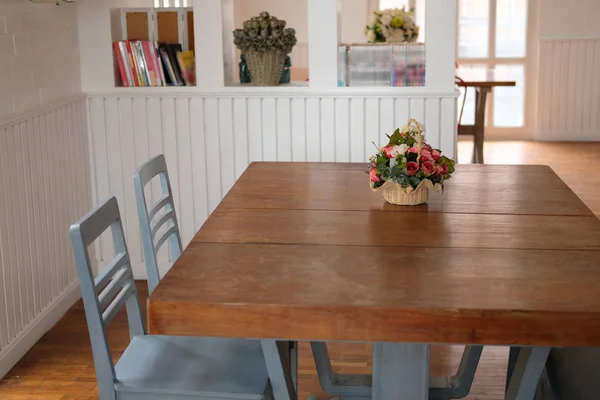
(386, 19)
(371, 36)
(395, 36)
(399, 150)
(373, 20)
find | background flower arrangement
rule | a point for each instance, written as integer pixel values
(265, 32)
(392, 25)
(265, 42)
(408, 161)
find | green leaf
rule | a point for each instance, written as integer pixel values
(386, 173)
(377, 184)
(414, 181)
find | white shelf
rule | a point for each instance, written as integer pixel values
(289, 90)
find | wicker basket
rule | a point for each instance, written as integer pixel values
(265, 66)
(393, 193)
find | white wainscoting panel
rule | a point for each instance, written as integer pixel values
(45, 186)
(209, 140)
(569, 90)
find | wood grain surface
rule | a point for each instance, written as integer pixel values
(306, 265)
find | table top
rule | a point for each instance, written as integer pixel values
(483, 78)
(506, 255)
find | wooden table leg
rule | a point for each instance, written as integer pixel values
(479, 126)
(400, 371)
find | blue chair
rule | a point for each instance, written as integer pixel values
(156, 367)
(166, 227)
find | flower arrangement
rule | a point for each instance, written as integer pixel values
(265, 32)
(407, 167)
(392, 25)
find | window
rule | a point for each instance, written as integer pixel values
(492, 34)
(172, 3)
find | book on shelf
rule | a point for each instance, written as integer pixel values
(149, 63)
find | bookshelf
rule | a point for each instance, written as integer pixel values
(153, 47)
(206, 28)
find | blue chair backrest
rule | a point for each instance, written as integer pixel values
(106, 294)
(153, 233)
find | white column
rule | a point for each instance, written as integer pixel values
(95, 47)
(208, 36)
(322, 43)
(440, 39)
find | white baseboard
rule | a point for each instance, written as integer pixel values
(38, 327)
(583, 136)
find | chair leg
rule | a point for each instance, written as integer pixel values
(293, 352)
(277, 358)
(528, 369)
(513, 354)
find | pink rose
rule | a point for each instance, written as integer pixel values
(439, 170)
(412, 167)
(444, 169)
(413, 150)
(387, 150)
(428, 147)
(427, 167)
(425, 155)
(435, 154)
(373, 176)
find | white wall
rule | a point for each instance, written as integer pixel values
(568, 91)
(44, 187)
(39, 55)
(574, 19)
(44, 164)
(353, 18)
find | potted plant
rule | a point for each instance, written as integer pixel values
(265, 41)
(407, 167)
(392, 25)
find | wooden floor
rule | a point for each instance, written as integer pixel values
(60, 365)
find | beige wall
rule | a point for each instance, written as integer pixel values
(573, 19)
(39, 54)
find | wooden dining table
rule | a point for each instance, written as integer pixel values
(507, 255)
(482, 81)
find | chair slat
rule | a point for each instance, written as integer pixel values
(110, 270)
(166, 199)
(164, 219)
(164, 237)
(114, 286)
(119, 302)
